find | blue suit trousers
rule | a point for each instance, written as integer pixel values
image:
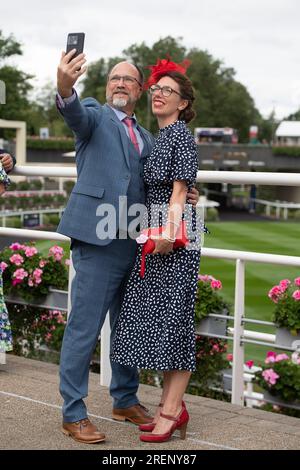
(98, 286)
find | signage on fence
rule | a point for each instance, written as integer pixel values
(31, 220)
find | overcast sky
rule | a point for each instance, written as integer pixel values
(258, 38)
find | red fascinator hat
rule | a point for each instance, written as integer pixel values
(162, 67)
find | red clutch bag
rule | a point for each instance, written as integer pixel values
(149, 245)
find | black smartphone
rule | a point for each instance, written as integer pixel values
(75, 41)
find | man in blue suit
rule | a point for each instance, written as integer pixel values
(111, 149)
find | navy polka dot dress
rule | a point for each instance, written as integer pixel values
(156, 325)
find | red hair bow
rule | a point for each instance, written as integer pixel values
(162, 67)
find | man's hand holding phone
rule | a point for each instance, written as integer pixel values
(69, 70)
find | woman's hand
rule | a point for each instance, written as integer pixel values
(2, 189)
(7, 161)
(162, 246)
(193, 197)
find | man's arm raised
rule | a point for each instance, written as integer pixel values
(83, 117)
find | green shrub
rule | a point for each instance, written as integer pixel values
(68, 186)
(49, 144)
(286, 151)
(23, 186)
(14, 222)
(212, 214)
(51, 219)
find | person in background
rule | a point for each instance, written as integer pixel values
(5, 329)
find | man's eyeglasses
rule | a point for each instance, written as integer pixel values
(127, 79)
(165, 90)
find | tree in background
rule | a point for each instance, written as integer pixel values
(221, 101)
(17, 83)
(43, 113)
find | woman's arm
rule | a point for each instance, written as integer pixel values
(164, 243)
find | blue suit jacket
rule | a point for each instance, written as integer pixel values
(103, 166)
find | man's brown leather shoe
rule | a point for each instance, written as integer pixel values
(137, 414)
(83, 431)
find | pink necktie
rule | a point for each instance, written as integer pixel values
(129, 124)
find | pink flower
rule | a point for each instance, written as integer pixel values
(48, 336)
(67, 262)
(284, 284)
(30, 251)
(270, 376)
(16, 281)
(296, 295)
(16, 259)
(20, 274)
(295, 357)
(281, 357)
(249, 364)
(215, 284)
(205, 278)
(3, 266)
(57, 252)
(37, 274)
(16, 246)
(275, 293)
(297, 281)
(271, 356)
(229, 357)
(216, 347)
(30, 282)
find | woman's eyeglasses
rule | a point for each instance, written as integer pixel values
(165, 90)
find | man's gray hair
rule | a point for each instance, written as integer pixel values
(138, 68)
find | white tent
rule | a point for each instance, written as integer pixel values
(288, 129)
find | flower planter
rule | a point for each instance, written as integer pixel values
(273, 399)
(212, 326)
(285, 338)
(55, 300)
(227, 380)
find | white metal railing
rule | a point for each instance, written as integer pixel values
(278, 205)
(239, 334)
(22, 213)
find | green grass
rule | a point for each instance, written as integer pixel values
(44, 245)
(265, 237)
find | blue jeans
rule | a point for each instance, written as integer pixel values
(98, 286)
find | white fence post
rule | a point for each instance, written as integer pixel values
(237, 397)
(105, 369)
(71, 277)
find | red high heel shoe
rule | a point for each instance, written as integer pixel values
(150, 426)
(180, 422)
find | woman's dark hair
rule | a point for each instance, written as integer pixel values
(187, 93)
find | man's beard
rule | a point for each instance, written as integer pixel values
(119, 103)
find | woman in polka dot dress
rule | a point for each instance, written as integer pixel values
(156, 324)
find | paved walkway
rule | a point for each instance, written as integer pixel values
(30, 417)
